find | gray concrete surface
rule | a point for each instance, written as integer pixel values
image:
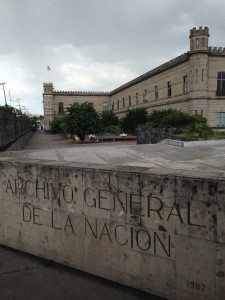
(206, 157)
(23, 276)
(26, 277)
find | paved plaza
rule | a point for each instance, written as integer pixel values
(205, 156)
(23, 276)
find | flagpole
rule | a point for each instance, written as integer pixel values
(48, 69)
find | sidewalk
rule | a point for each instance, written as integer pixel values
(26, 277)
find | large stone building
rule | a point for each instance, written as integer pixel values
(193, 82)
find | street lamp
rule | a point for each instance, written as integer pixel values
(3, 83)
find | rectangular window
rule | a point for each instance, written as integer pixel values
(203, 72)
(145, 96)
(61, 107)
(113, 105)
(203, 42)
(197, 42)
(118, 104)
(129, 100)
(220, 84)
(156, 92)
(185, 84)
(220, 119)
(169, 89)
(105, 107)
(201, 112)
(136, 98)
(123, 102)
(196, 112)
(196, 75)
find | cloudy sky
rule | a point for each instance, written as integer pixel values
(94, 45)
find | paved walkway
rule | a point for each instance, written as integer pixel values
(26, 277)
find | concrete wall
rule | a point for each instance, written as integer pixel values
(12, 128)
(161, 231)
(20, 143)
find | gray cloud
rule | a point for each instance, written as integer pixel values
(95, 44)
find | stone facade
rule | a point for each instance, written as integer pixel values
(193, 82)
(161, 231)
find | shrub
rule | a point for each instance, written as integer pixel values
(202, 129)
(113, 129)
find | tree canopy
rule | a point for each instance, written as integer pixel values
(134, 118)
(109, 119)
(82, 119)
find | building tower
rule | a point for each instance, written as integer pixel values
(48, 103)
(199, 39)
(199, 64)
(48, 88)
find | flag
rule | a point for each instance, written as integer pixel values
(48, 68)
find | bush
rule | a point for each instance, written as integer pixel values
(58, 124)
(134, 118)
(201, 129)
(109, 119)
(113, 129)
(178, 119)
(158, 118)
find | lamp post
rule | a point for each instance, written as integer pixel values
(3, 83)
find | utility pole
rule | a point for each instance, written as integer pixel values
(10, 98)
(24, 108)
(3, 83)
(19, 103)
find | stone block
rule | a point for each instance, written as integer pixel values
(159, 276)
(220, 272)
(195, 266)
(70, 193)
(73, 240)
(158, 230)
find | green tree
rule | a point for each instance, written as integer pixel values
(178, 119)
(109, 119)
(82, 119)
(58, 124)
(134, 118)
(198, 119)
(199, 126)
(113, 129)
(158, 118)
(202, 129)
(16, 111)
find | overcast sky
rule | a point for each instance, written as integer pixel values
(94, 45)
